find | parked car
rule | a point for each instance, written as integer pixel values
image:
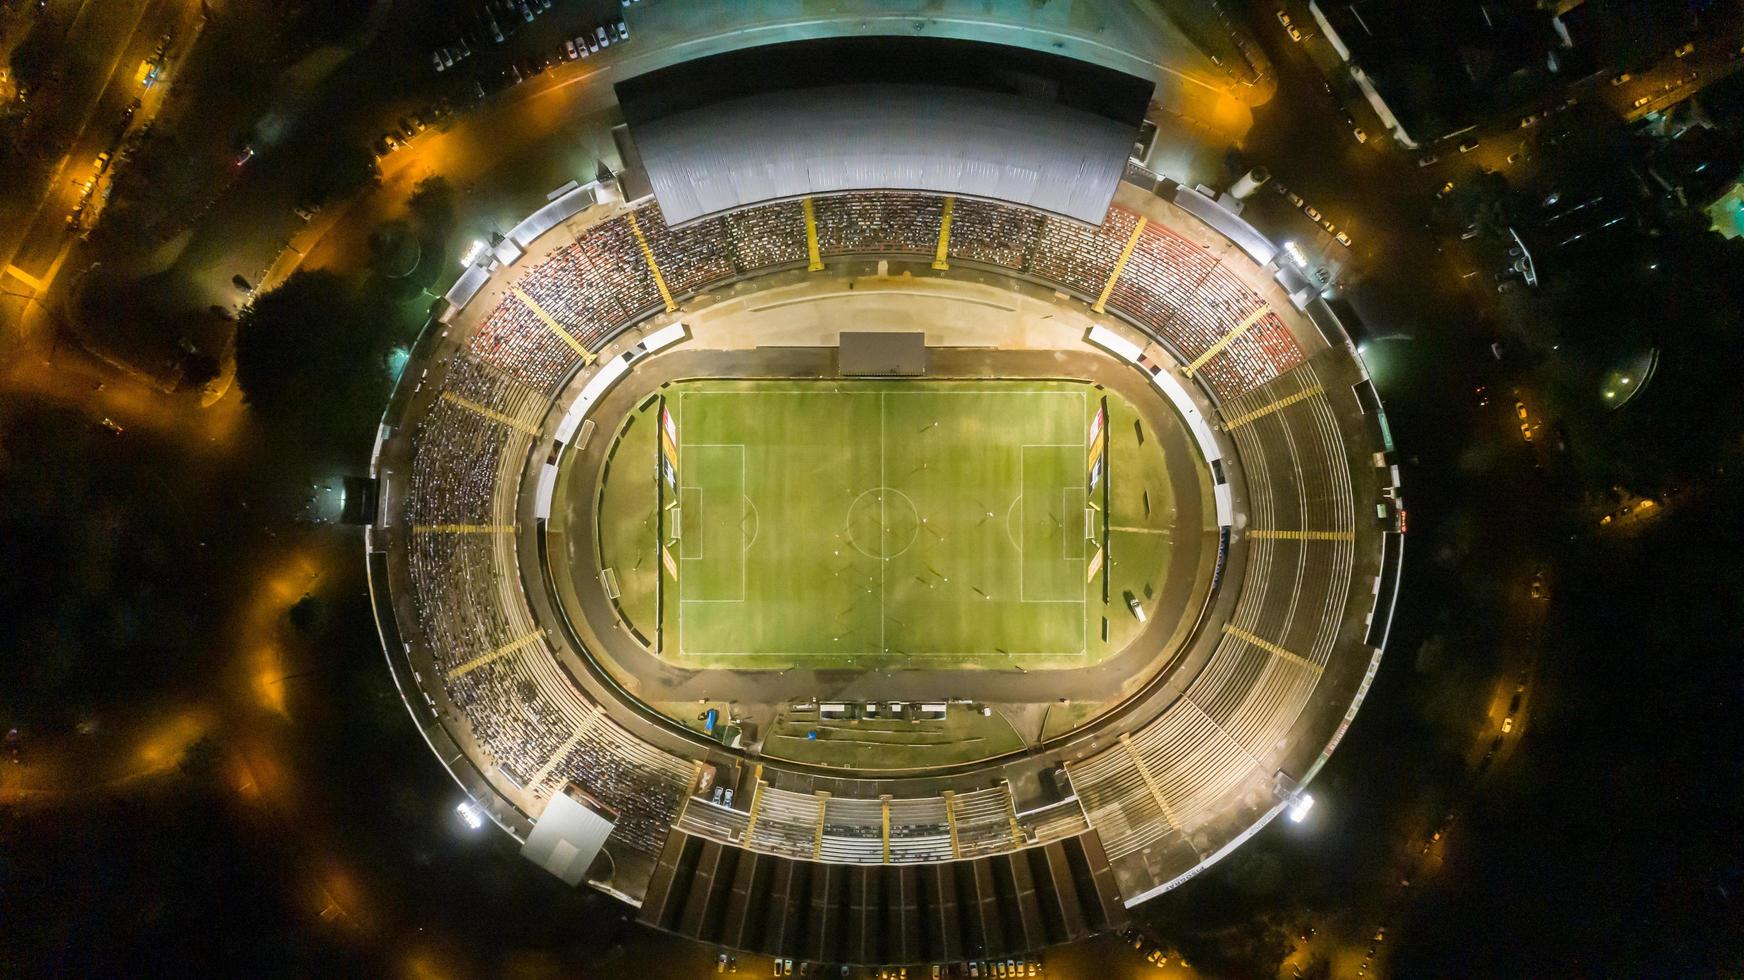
(1312, 212)
(1642, 101)
(1468, 146)
(1429, 160)
(1621, 79)
(489, 22)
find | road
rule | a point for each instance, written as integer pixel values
(105, 45)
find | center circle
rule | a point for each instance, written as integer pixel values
(882, 523)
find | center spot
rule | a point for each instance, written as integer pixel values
(882, 523)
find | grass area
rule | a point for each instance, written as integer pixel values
(844, 525)
(626, 527)
(1141, 509)
(864, 523)
(1062, 718)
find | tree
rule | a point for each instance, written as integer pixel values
(394, 250)
(308, 615)
(310, 354)
(432, 205)
(37, 59)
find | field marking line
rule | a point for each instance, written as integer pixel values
(1023, 529)
(882, 647)
(848, 523)
(696, 523)
(700, 491)
(1083, 527)
(884, 525)
(739, 527)
(712, 393)
(744, 570)
(839, 655)
(661, 544)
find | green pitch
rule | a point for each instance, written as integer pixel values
(935, 523)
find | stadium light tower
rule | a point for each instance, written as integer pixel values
(1297, 800)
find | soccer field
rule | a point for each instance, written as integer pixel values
(940, 523)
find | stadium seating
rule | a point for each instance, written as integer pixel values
(1246, 699)
(540, 731)
(875, 223)
(992, 234)
(766, 237)
(601, 281)
(1080, 259)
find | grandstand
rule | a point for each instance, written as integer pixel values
(996, 858)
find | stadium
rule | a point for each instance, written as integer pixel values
(917, 541)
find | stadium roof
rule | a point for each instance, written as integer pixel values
(947, 117)
(822, 141)
(567, 837)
